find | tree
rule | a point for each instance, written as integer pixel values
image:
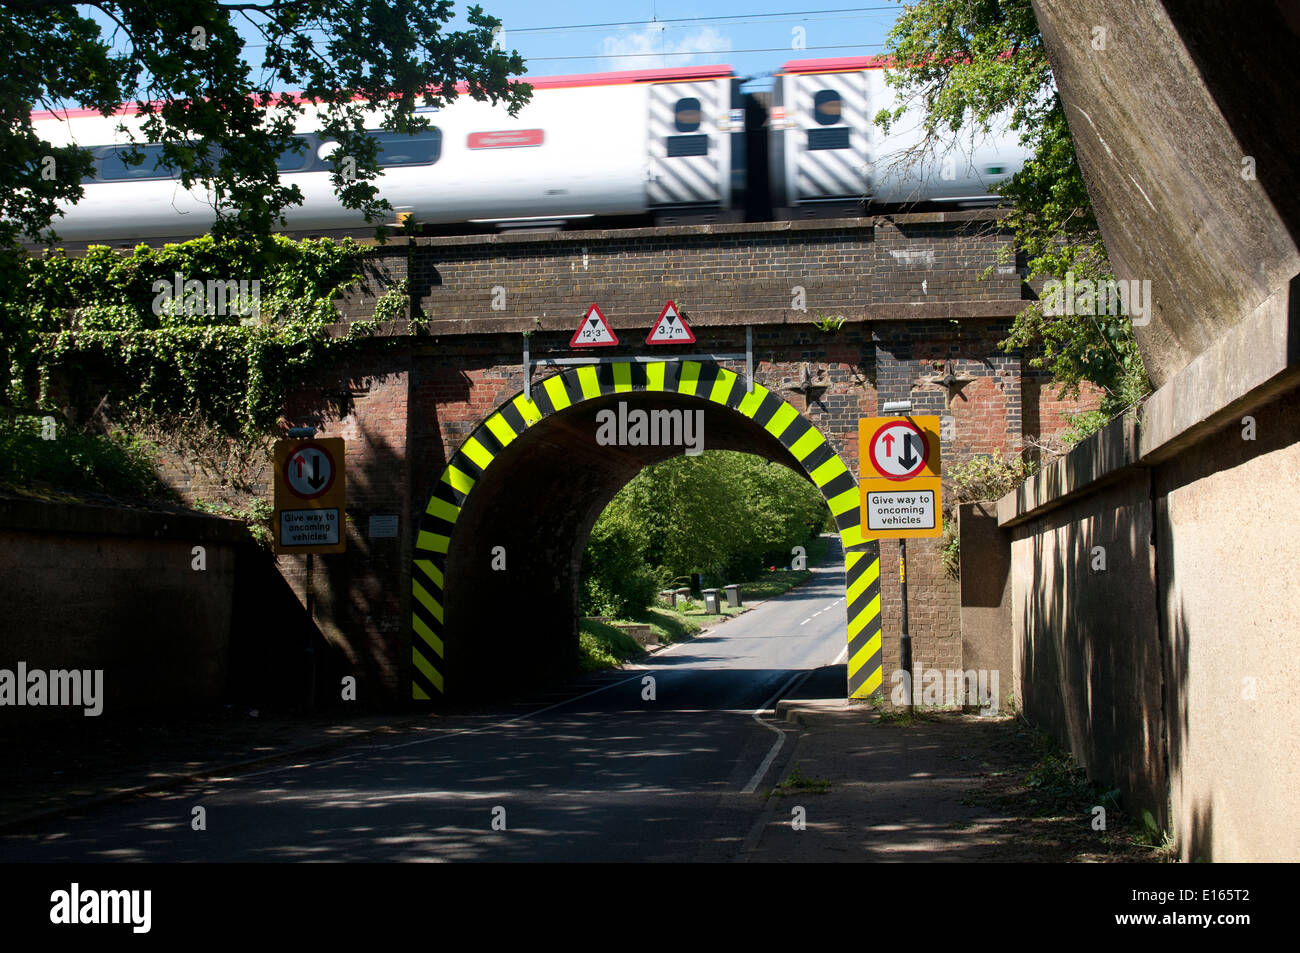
(222, 115)
(723, 513)
(967, 61)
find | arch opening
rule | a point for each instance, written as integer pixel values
(495, 575)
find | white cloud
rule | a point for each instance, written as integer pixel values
(621, 50)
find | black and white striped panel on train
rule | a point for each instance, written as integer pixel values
(829, 138)
(687, 151)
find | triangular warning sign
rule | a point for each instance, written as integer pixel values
(594, 331)
(671, 328)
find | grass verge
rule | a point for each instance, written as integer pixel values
(601, 645)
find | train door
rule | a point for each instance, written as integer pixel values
(827, 136)
(690, 156)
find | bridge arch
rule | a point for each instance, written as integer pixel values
(483, 516)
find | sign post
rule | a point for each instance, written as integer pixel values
(902, 496)
(310, 501)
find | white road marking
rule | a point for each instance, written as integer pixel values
(806, 621)
(780, 734)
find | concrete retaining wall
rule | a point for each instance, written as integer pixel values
(1169, 673)
(88, 587)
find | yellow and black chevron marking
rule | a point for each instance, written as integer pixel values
(862, 595)
(705, 380)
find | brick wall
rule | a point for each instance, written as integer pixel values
(913, 292)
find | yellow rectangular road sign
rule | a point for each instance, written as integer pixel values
(901, 495)
(310, 496)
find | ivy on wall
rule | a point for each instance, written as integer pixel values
(201, 329)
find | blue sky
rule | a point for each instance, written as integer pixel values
(753, 36)
(576, 38)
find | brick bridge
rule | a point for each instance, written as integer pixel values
(440, 435)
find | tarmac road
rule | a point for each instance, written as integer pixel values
(602, 774)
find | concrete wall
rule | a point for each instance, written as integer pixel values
(1229, 591)
(89, 587)
(1170, 673)
(986, 640)
(1193, 182)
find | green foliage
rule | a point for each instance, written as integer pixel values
(798, 783)
(1081, 426)
(950, 549)
(392, 303)
(667, 625)
(1059, 785)
(604, 646)
(965, 62)
(828, 323)
(616, 581)
(988, 477)
(114, 463)
(114, 321)
(223, 114)
(728, 515)
(257, 515)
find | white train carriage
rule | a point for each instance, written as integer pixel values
(827, 154)
(605, 144)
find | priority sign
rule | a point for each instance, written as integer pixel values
(310, 496)
(900, 448)
(901, 495)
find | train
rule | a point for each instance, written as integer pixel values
(652, 146)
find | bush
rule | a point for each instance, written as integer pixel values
(988, 477)
(113, 462)
(615, 579)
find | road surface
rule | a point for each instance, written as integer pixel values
(602, 773)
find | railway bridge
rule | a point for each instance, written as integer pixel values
(477, 431)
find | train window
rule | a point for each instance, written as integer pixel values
(828, 138)
(287, 160)
(827, 107)
(678, 146)
(113, 167)
(290, 161)
(397, 148)
(686, 115)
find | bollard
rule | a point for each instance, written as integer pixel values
(733, 596)
(711, 602)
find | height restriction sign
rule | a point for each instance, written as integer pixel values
(310, 496)
(900, 489)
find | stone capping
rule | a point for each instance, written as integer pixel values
(1105, 455)
(39, 516)
(865, 223)
(1255, 361)
(737, 317)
